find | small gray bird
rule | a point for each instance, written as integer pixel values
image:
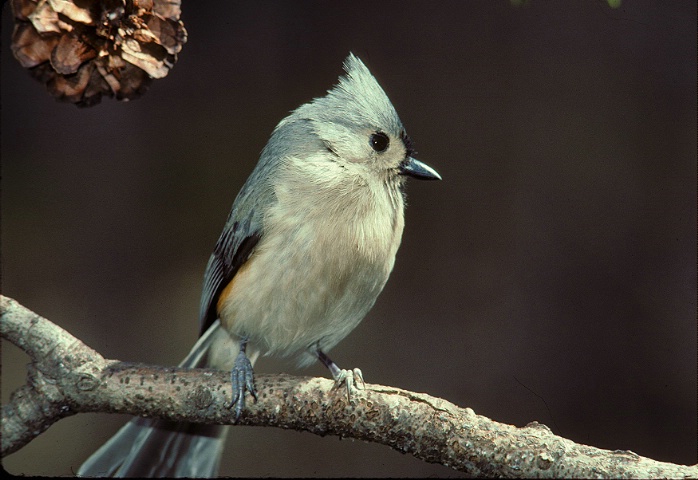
(307, 248)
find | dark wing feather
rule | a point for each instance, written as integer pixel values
(234, 247)
(243, 230)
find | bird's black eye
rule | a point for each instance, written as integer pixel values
(379, 141)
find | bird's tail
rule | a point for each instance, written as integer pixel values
(159, 448)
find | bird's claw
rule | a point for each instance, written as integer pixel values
(242, 379)
(352, 379)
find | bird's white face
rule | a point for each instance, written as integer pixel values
(372, 150)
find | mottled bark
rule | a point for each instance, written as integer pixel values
(67, 377)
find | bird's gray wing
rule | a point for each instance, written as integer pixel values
(234, 247)
(242, 232)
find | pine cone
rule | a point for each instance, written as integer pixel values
(83, 49)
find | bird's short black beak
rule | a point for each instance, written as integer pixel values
(416, 169)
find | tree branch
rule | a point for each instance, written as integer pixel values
(67, 377)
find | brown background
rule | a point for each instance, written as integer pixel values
(551, 276)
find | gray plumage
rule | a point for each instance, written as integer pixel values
(308, 246)
(151, 448)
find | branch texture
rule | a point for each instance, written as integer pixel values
(67, 377)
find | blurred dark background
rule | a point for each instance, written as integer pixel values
(550, 276)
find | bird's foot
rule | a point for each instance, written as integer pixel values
(351, 379)
(242, 379)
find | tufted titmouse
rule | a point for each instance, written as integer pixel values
(307, 248)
